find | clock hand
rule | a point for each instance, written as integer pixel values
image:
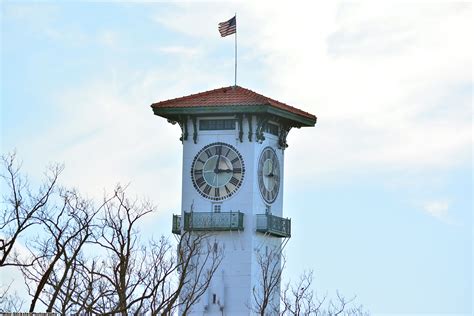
(224, 170)
(270, 169)
(216, 169)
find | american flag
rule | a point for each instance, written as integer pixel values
(228, 27)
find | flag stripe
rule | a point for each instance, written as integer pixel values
(228, 32)
(225, 28)
(228, 27)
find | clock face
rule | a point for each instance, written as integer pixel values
(269, 174)
(217, 171)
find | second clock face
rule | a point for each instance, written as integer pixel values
(217, 171)
(269, 174)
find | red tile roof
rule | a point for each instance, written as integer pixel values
(228, 96)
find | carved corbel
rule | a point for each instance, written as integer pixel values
(241, 131)
(261, 123)
(249, 119)
(284, 130)
(183, 123)
(195, 132)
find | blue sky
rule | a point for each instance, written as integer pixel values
(379, 192)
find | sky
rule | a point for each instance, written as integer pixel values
(379, 191)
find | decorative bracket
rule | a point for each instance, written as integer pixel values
(261, 123)
(241, 132)
(183, 123)
(284, 130)
(249, 119)
(195, 133)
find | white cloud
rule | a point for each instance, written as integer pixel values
(390, 82)
(37, 14)
(108, 133)
(193, 19)
(439, 209)
(385, 80)
(108, 38)
(184, 51)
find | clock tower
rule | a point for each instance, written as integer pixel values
(234, 142)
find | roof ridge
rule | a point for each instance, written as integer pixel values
(274, 100)
(230, 95)
(198, 94)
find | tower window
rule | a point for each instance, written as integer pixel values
(211, 125)
(217, 208)
(271, 128)
(268, 209)
(214, 298)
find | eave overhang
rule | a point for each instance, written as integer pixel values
(174, 113)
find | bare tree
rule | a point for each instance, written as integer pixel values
(68, 226)
(137, 277)
(90, 294)
(265, 297)
(300, 299)
(162, 266)
(80, 258)
(295, 299)
(198, 260)
(9, 302)
(344, 307)
(123, 272)
(21, 208)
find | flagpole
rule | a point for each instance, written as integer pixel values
(235, 69)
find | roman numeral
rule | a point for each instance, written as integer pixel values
(234, 160)
(198, 171)
(200, 181)
(208, 153)
(207, 189)
(201, 161)
(227, 153)
(234, 181)
(226, 189)
(218, 150)
(237, 170)
(217, 192)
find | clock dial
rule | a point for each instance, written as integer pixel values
(269, 174)
(217, 171)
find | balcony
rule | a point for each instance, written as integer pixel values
(176, 228)
(209, 221)
(274, 225)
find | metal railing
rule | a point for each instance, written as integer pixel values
(274, 225)
(213, 221)
(176, 228)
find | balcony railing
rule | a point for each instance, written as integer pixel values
(176, 228)
(213, 221)
(274, 225)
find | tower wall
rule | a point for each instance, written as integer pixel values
(239, 273)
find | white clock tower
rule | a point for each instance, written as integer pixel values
(233, 160)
